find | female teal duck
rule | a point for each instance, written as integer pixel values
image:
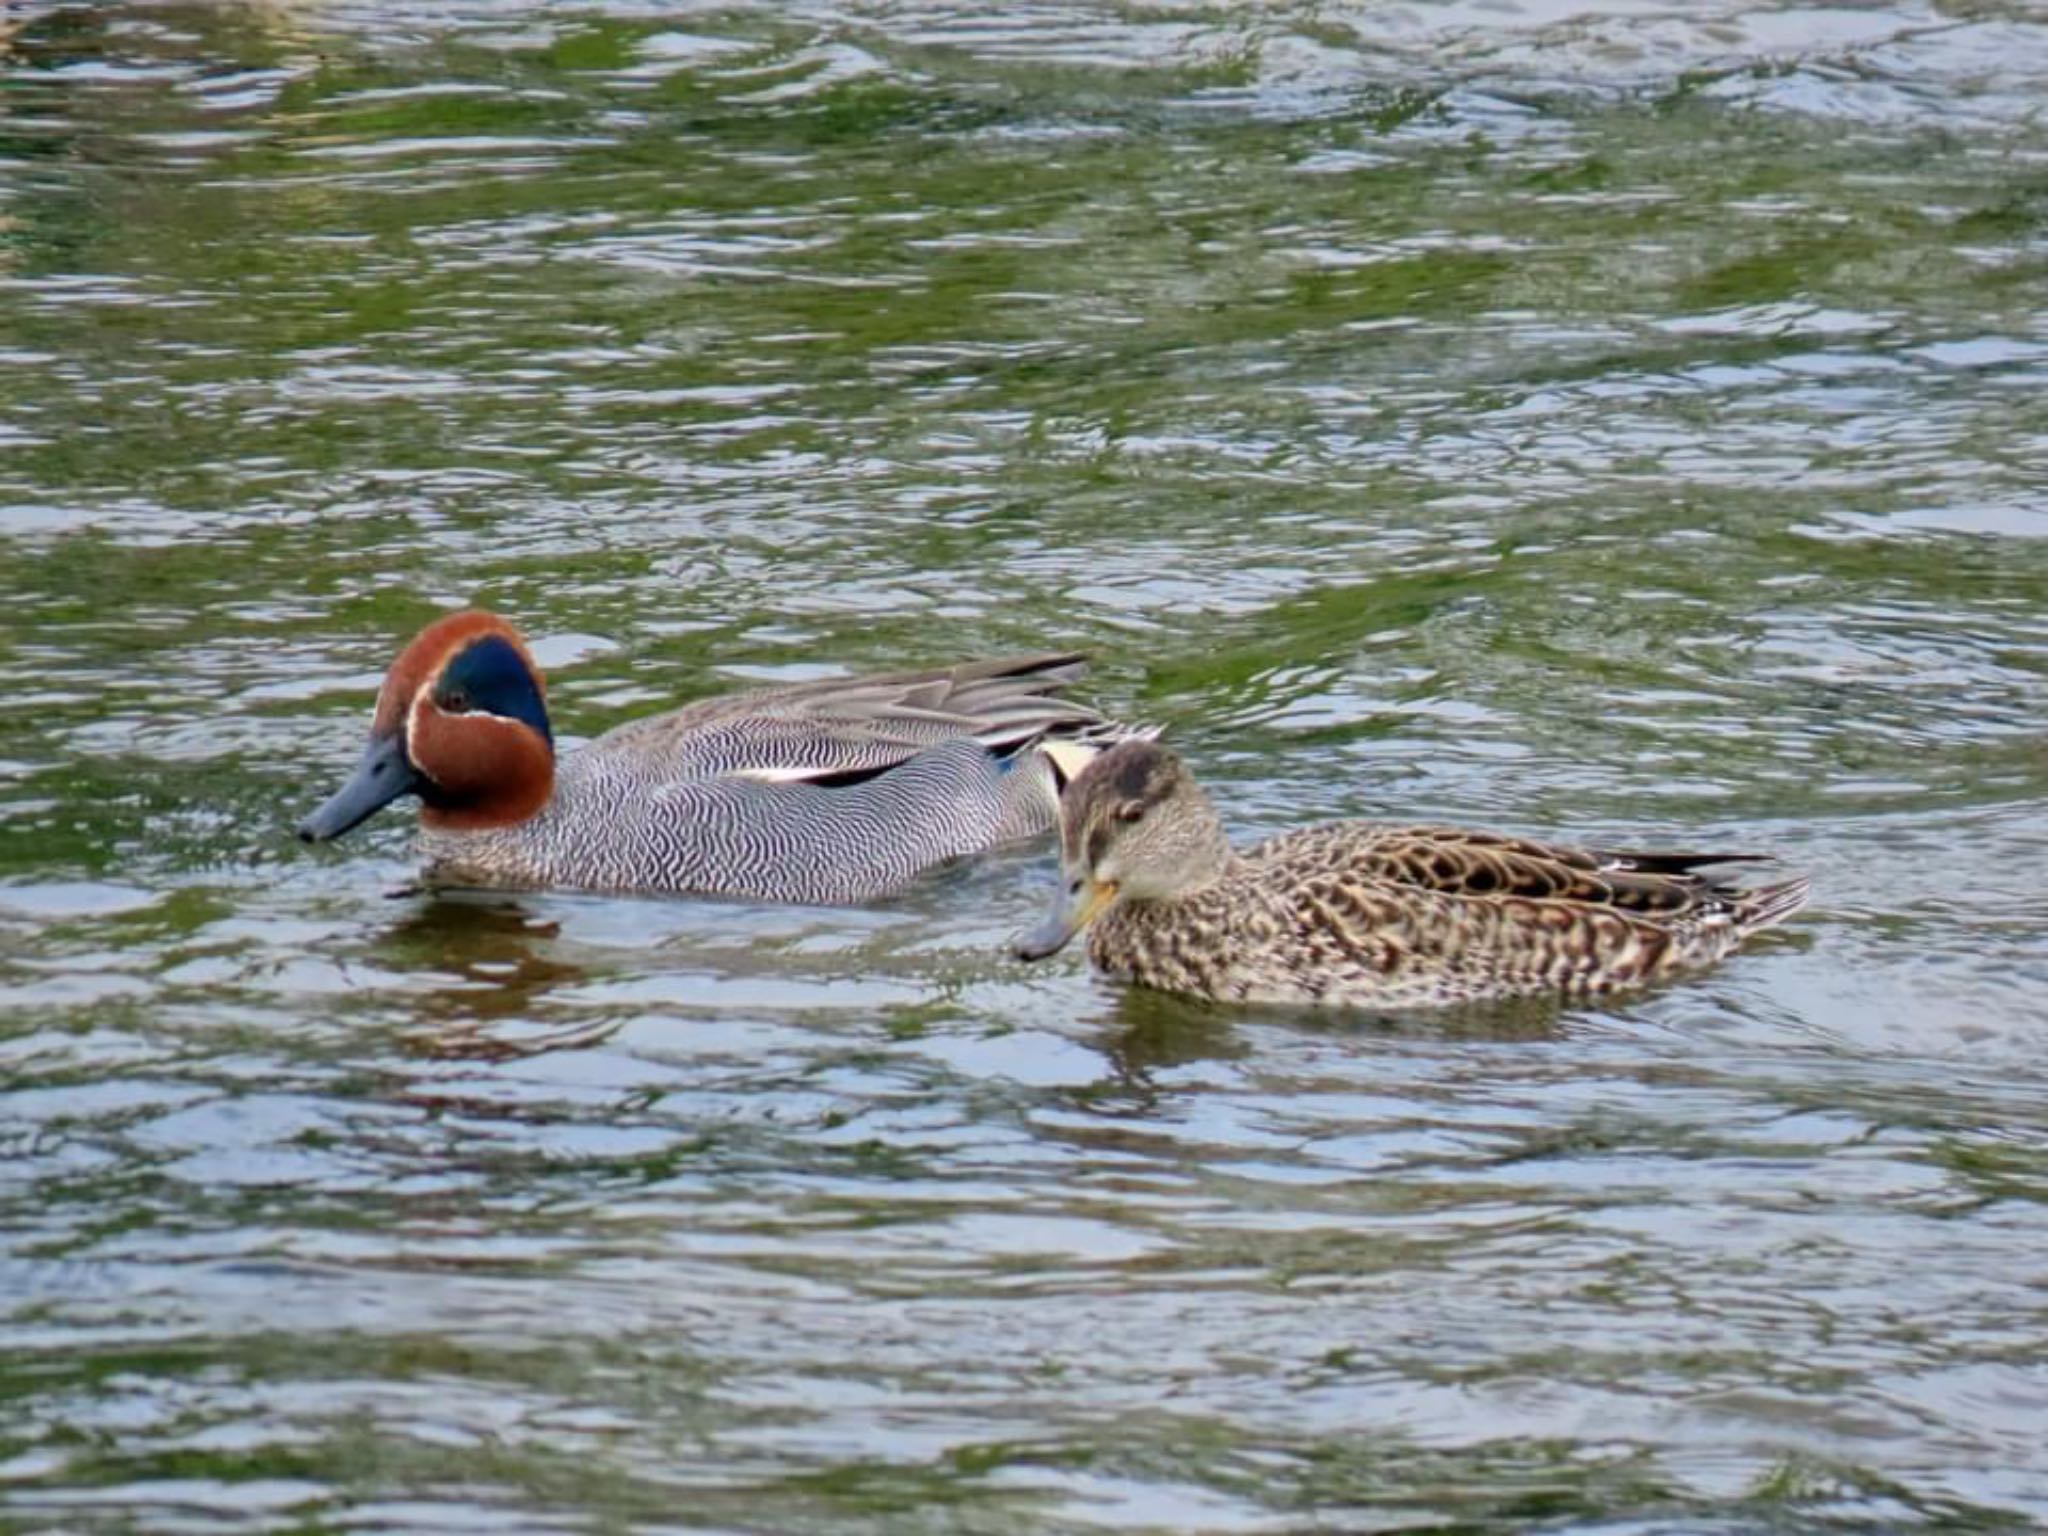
(1359, 914)
(833, 791)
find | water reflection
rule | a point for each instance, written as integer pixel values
(1147, 1034)
(1605, 422)
(506, 972)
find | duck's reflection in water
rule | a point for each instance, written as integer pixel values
(498, 963)
(1148, 1032)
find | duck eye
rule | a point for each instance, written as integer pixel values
(455, 703)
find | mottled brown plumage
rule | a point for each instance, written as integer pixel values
(1362, 914)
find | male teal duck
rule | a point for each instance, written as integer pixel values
(1363, 915)
(826, 792)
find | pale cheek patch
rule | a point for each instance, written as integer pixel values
(420, 698)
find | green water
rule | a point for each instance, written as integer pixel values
(1614, 422)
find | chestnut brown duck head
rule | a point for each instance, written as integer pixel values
(831, 791)
(1362, 914)
(461, 722)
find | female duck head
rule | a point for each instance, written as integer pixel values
(462, 722)
(1134, 826)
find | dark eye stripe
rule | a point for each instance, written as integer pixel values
(1098, 843)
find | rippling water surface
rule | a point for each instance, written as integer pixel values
(1628, 421)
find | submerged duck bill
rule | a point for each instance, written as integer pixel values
(380, 778)
(1072, 911)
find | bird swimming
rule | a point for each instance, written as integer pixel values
(834, 791)
(1364, 914)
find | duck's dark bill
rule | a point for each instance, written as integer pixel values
(1074, 909)
(380, 778)
(1047, 938)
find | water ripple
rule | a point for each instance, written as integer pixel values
(1618, 421)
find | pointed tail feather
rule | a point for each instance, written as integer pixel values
(1671, 863)
(1768, 905)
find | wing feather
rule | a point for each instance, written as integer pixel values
(1512, 871)
(839, 727)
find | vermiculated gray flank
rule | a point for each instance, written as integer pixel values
(835, 791)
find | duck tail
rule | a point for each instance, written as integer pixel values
(1765, 906)
(1670, 863)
